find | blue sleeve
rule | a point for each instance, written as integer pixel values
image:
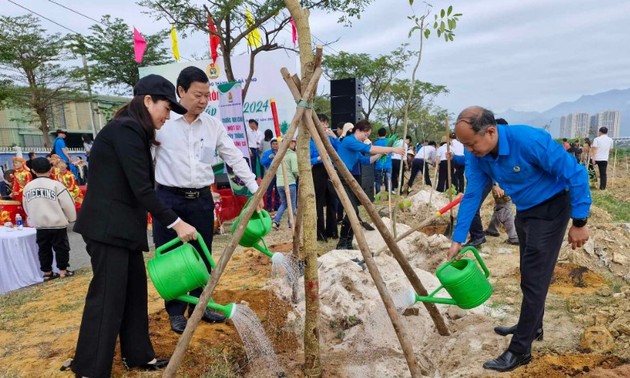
(477, 181)
(334, 142)
(314, 153)
(552, 158)
(365, 159)
(355, 145)
(265, 160)
(459, 159)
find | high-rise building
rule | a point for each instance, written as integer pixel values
(610, 119)
(574, 125)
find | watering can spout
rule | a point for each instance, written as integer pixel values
(227, 310)
(432, 299)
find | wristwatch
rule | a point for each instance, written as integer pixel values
(579, 222)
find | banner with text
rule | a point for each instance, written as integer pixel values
(231, 110)
(267, 83)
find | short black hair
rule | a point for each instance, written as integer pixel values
(191, 75)
(382, 132)
(501, 121)
(408, 137)
(323, 118)
(603, 130)
(253, 121)
(564, 139)
(40, 165)
(8, 173)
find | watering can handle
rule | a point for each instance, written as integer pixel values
(159, 250)
(479, 260)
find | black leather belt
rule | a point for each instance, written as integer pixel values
(188, 193)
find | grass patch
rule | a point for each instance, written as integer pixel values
(617, 208)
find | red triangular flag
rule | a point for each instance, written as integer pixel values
(139, 45)
(293, 32)
(214, 39)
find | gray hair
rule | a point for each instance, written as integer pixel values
(478, 118)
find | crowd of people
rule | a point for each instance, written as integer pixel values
(133, 169)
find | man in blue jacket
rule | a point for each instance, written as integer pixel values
(548, 187)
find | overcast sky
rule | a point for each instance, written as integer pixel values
(525, 55)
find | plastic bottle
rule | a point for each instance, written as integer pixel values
(18, 221)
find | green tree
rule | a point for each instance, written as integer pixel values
(232, 28)
(109, 50)
(391, 110)
(376, 74)
(30, 69)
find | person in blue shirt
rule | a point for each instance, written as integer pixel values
(59, 146)
(383, 165)
(272, 197)
(325, 196)
(548, 187)
(351, 150)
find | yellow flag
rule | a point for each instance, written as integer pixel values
(253, 38)
(174, 43)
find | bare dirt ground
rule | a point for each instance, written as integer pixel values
(587, 320)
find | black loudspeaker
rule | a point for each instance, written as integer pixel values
(345, 101)
(345, 87)
(367, 180)
(222, 181)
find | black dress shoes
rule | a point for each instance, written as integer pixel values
(178, 323)
(504, 331)
(157, 365)
(213, 317)
(475, 243)
(508, 361)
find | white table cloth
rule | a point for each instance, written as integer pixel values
(19, 262)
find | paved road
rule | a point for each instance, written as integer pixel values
(78, 255)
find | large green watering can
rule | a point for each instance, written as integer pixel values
(181, 270)
(463, 280)
(258, 227)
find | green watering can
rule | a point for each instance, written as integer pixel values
(258, 226)
(463, 280)
(181, 270)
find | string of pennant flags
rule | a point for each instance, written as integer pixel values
(254, 39)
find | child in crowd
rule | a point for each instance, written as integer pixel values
(67, 179)
(50, 208)
(503, 215)
(6, 186)
(22, 176)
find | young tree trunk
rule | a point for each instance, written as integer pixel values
(43, 122)
(306, 192)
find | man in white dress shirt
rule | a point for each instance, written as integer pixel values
(187, 148)
(254, 140)
(599, 152)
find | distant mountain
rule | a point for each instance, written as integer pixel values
(616, 99)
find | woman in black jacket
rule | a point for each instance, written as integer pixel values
(113, 223)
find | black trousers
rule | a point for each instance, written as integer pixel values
(540, 232)
(476, 227)
(603, 177)
(325, 201)
(115, 306)
(346, 233)
(395, 170)
(420, 165)
(442, 185)
(49, 239)
(197, 212)
(458, 177)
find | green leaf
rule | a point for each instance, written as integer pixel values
(427, 33)
(450, 9)
(410, 2)
(435, 25)
(442, 13)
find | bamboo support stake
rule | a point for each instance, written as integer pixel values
(410, 231)
(287, 193)
(204, 298)
(417, 285)
(394, 316)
